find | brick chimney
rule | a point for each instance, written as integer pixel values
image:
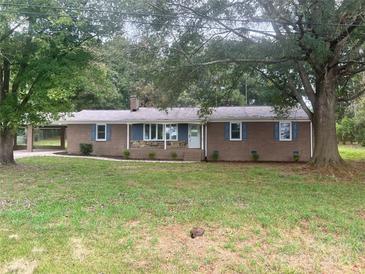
(134, 103)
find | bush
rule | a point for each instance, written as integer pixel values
(255, 156)
(86, 149)
(126, 154)
(173, 155)
(151, 155)
(215, 155)
(346, 130)
(296, 156)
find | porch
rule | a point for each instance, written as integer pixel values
(180, 141)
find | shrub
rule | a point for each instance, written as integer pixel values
(215, 155)
(126, 154)
(151, 155)
(255, 156)
(86, 149)
(173, 155)
(296, 156)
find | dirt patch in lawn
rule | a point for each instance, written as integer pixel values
(207, 252)
(232, 250)
(79, 251)
(20, 266)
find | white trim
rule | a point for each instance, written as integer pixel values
(230, 131)
(174, 122)
(291, 131)
(96, 133)
(128, 136)
(311, 138)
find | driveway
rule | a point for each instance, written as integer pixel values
(37, 152)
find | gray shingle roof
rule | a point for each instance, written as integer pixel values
(178, 115)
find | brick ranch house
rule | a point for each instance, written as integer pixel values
(234, 133)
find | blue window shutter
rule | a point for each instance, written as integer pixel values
(276, 131)
(295, 130)
(93, 133)
(244, 132)
(137, 132)
(108, 132)
(226, 131)
(183, 132)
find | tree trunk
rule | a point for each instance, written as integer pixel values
(7, 147)
(324, 123)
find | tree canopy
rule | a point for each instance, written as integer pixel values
(43, 47)
(310, 51)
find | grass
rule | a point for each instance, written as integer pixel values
(352, 152)
(52, 142)
(89, 216)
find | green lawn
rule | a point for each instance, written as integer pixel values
(352, 152)
(61, 215)
(55, 142)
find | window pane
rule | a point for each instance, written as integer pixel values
(171, 132)
(194, 131)
(101, 132)
(153, 132)
(146, 132)
(284, 131)
(21, 136)
(235, 131)
(160, 132)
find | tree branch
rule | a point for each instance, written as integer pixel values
(299, 98)
(343, 35)
(11, 31)
(30, 92)
(242, 61)
(233, 30)
(309, 91)
(351, 98)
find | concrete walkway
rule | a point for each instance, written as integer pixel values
(18, 154)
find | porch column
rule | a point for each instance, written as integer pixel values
(30, 138)
(164, 137)
(62, 137)
(127, 136)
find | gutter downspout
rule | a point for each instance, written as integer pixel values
(206, 141)
(128, 136)
(164, 137)
(202, 137)
(311, 138)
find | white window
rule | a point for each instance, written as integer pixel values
(235, 131)
(101, 132)
(153, 132)
(171, 132)
(285, 131)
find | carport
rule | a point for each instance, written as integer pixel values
(46, 137)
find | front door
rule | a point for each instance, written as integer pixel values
(194, 136)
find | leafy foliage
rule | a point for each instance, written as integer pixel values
(45, 49)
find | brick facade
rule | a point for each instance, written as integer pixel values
(77, 134)
(260, 138)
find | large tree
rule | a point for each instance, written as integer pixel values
(44, 45)
(310, 50)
